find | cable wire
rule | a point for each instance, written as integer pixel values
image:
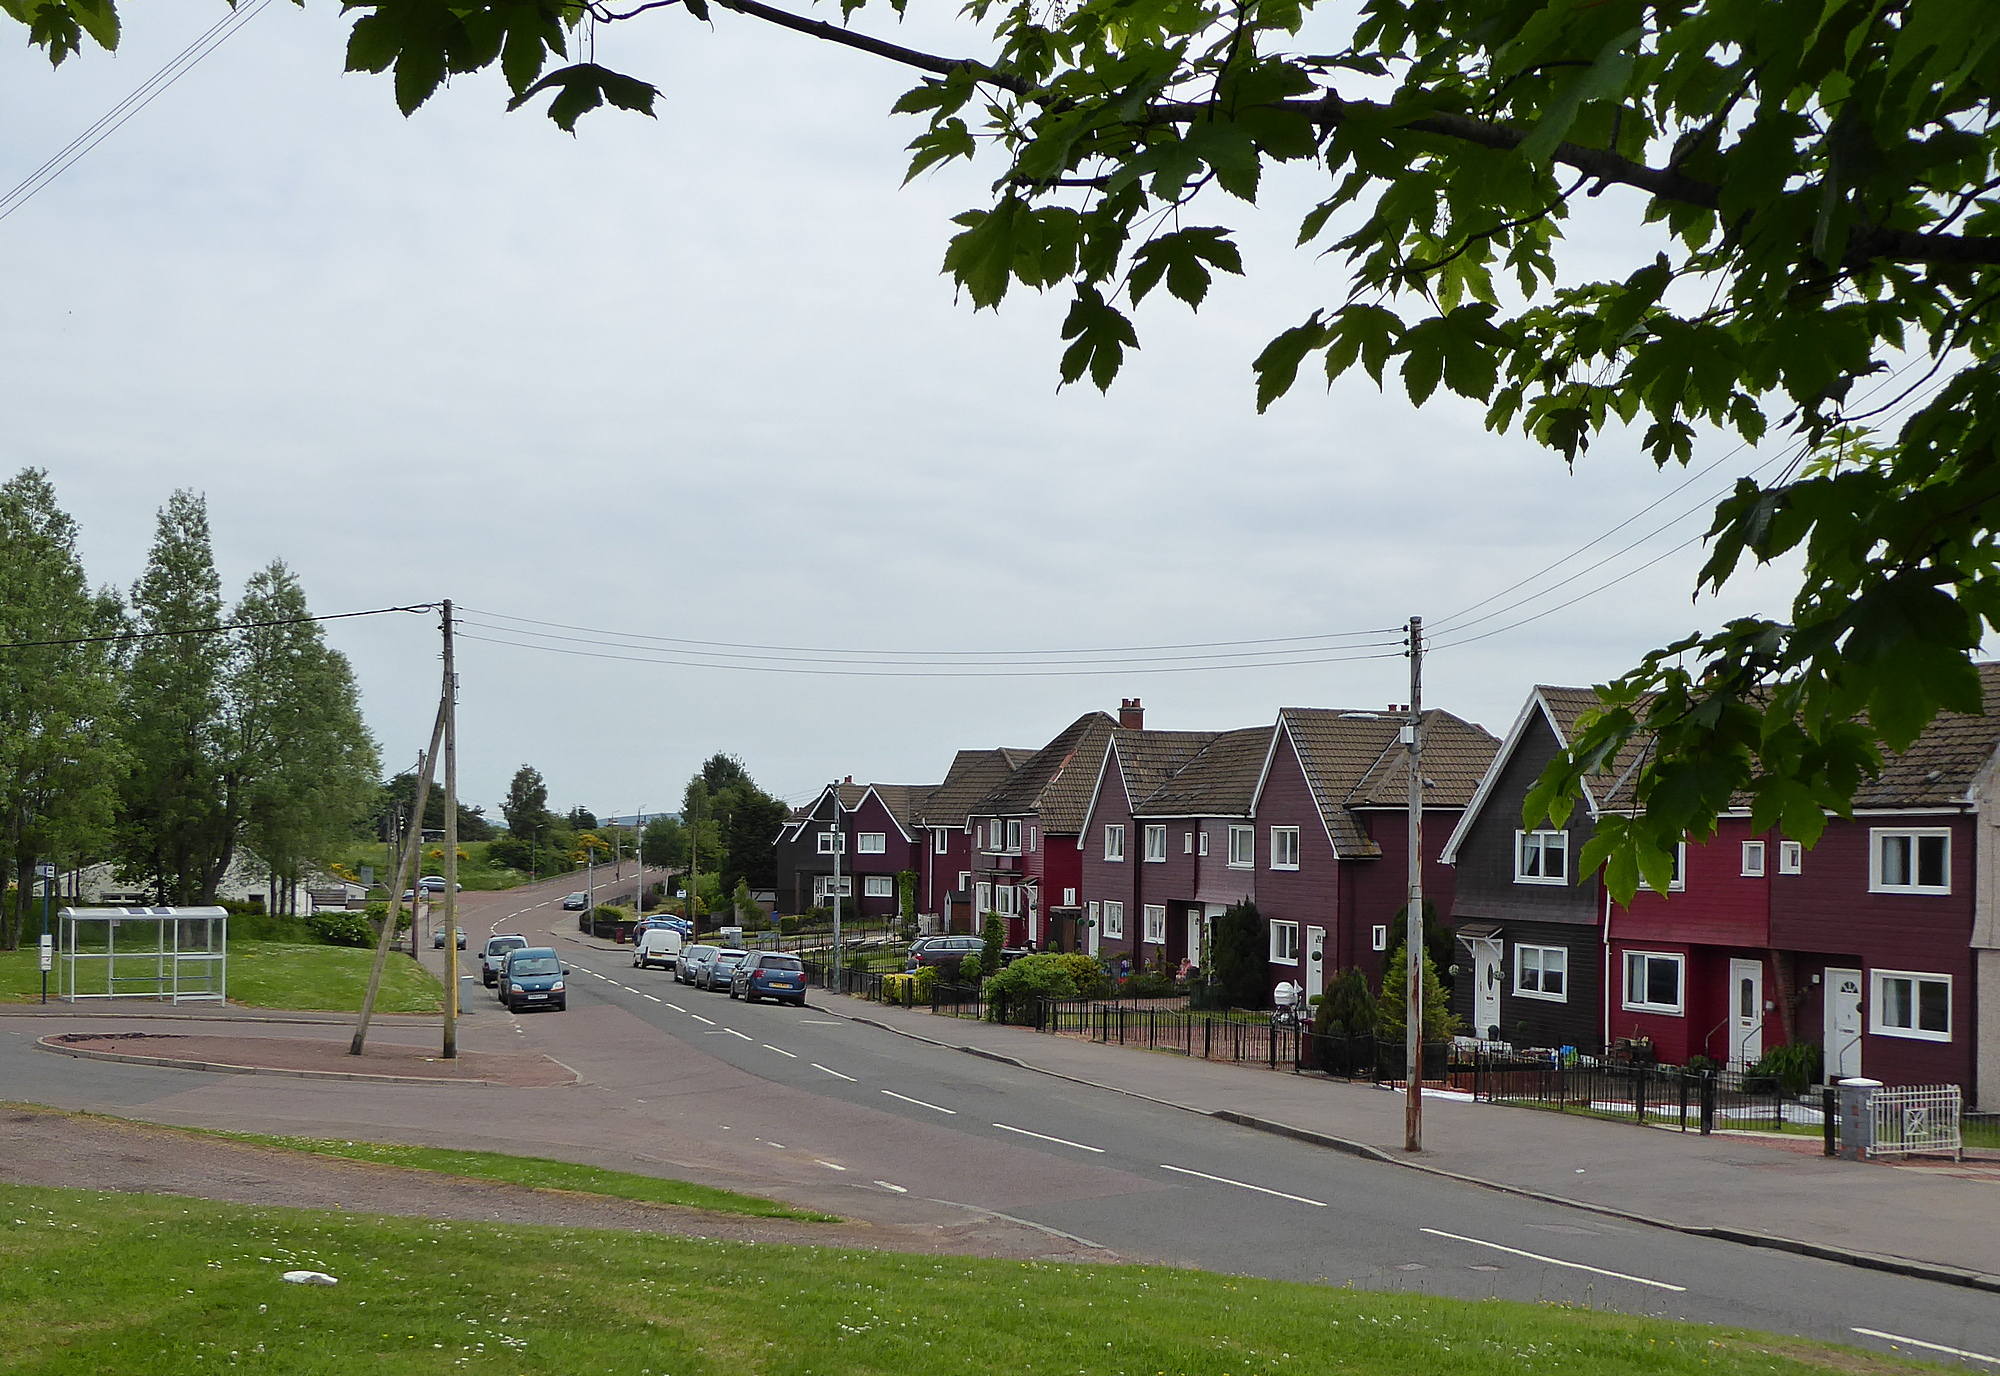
(221, 629)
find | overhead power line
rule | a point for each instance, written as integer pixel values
(222, 628)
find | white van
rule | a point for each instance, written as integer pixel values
(659, 946)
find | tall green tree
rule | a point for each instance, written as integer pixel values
(398, 795)
(174, 831)
(59, 756)
(664, 842)
(526, 806)
(738, 821)
(299, 764)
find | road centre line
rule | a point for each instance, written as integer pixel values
(654, 997)
(887, 1186)
(1059, 1141)
(836, 1074)
(919, 1102)
(781, 1051)
(1244, 1185)
(1934, 1347)
(734, 1033)
(1556, 1261)
(830, 1165)
(699, 1018)
(675, 1006)
(819, 1022)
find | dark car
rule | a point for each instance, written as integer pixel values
(721, 965)
(437, 938)
(940, 950)
(533, 978)
(694, 963)
(766, 974)
(575, 902)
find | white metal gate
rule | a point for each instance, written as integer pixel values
(1917, 1118)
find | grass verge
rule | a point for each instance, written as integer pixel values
(275, 974)
(97, 1283)
(537, 1172)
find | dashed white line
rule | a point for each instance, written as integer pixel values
(781, 1051)
(1244, 1185)
(830, 1165)
(1556, 1261)
(887, 1186)
(699, 1018)
(734, 1033)
(1933, 1347)
(835, 1073)
(654, 998)
(1059, 1141)
(819, 1022)
(919, 1102)
(675, 1006)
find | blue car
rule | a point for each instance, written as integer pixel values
(533, 978)
(768, 975)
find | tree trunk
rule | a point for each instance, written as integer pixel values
(16, 920)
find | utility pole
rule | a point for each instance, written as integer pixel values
(405, 877)
(450, 842)
(1413, 923)
(839, 845)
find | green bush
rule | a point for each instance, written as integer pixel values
(337, 928)
(1348, 1008)
(1147, 984)
(1026, 980)
(1790, 1068)
(1440, 1023)
(923, 983)
(1239, 951)
(995, 934)
(1087, 973)
(901, 989)
(969, 970)
(297, 931)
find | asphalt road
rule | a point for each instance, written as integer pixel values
(1154, 1182)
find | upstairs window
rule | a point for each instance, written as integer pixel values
(1917, 860)
(1541, 857)
(1114, 919)
(1114, 841)
(1284, 848)
(1014, 835)
(1242, 848)
(940, 842)
(1187, 843)
(1201, 843)
(1753, 859)
(1791, 857)
(871, 842)
(1156, 842)
(832, 843)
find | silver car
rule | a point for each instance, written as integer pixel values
(694, 963)
(721, 968)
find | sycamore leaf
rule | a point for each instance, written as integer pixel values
(981, 257)
(1182, 258)
(582, 87)
(1101, 336)
(1278, 366)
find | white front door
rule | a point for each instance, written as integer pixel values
(1315, 963)
(1092, 932)
(1197, 948)
(1746, 1012)
(1485, 989)
(1843, 1024)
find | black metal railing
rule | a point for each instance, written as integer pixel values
(1656, 1096)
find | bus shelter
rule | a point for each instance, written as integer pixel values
(179, 954)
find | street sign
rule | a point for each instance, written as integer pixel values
(680, 893)
(368, 876)
(48, 953)
(45, 870)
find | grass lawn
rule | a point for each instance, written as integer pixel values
(94, 1283)
(275, 974)
(476, 871)
(536, 1171)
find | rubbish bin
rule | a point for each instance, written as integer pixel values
(1857, 1117)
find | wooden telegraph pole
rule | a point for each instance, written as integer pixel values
(1413, 924)
(449, 711)
(405, 877)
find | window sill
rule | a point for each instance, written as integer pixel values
(1235, 866)
(1280, 869)
(1545, 998)
(1910, 1034)
(1912, 890)
(1529, 879)
(1660, 1008)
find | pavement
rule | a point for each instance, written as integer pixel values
(1934, 1224)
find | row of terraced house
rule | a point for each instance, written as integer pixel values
(1876, 944)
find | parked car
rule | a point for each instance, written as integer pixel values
(721, 965)
(437, 938)
(766, 974)
(694, 962)
(575, 902)
(938, 950)
(659, 946)
(434, 883)
(491, 958)
(532, 977)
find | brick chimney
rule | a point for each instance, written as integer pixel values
(1131, 714)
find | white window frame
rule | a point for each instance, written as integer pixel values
(1525, 989)
(1013, 836)
(871, 843)
(1069, 898)
(1156, 843)
(1284, 943)
(1542, 839)
(1091, 916)
(1003, 899)
(982, 898)
(1284, 839)
(940, 841)
(996, 835)
(1114, 841)
(1791, 857)
(1248, 849)
(1201, 842)
(1114, 919)
(878, 886)
(1879, 836)
(1154, 921)
(1753, 859)
(1878, 1004)
(1677, 880)
(833, 843)
(1378, 937)
(1187, 843)
(823, 886)
(1640, 1005)
(1032, 837)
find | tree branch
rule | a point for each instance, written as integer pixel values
(895, 52)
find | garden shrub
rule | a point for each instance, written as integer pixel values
(1087, 973)
(337, 928)
(1028, 979)
(1790, 1068)
(1148, 984)
(1239, 949)
(1440, 1023)
(900, 989)
(995, 935)
(1348, 1007)
(923, 983)
(970, 970)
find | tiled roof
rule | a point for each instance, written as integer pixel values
(1056, 780)
(1220, 781)
(904, 801)
(1354, 759)
(1567, 706)
(972, 776)
(1150, 758)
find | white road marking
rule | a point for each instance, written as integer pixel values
(919, 1102)
(1059, 1141)
(734, 1033)
(819, 1022)
(675, 1006)
(699, 1018)
(653, 998)
(830, 1165)
(1556, 1261)
(836, 1074)
(781, 1051)
(779, 1145)
(1934, 1347)
(887, 1186)
(1245, 1185)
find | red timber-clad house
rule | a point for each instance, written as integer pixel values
(1328, 842)
(1154, 869)
(1025, 861)
(944, 866)
(884, 841)
(806, 846)
(1868, 945)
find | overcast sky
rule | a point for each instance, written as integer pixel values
(700, 378)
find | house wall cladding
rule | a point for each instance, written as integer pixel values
(1526, 1021)
(897, 854)
(1373, 892)
(1485, 886)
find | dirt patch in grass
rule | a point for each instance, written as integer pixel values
(323, 1056)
